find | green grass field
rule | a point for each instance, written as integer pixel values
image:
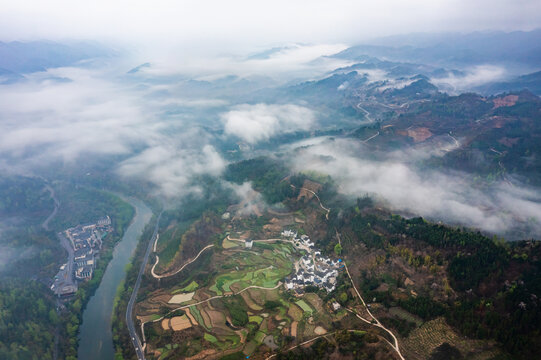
(210, 338)
(304, 306)
(257, 319)
(265, 269)
(197, 315)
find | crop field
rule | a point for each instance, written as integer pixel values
(197, 315)
(315, 301)
(181, 298)
(210, 338)
(403, 314)
(245, 321)
(249, 301)
(264, 269)
(191, 287)
(432, 334)
(304, 306)
(228, 244)
(180, 323)
(295, 312)
(255, 318)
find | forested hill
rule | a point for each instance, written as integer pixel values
(485, 288)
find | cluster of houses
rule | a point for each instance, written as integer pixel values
(313, 268)
(83, 243)
(86, 243)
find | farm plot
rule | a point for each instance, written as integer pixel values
(295, 312)
(255, 318)
(191, 287)
(430, 335)
(304, 306)
(249, 301)
(228, 244)
(264, 269)
(315, 301)
(403, 314)
(179, 323)
(197, 315)
(181, 298)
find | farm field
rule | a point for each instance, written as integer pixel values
(434, 333)
(235, 300)
(242, 308)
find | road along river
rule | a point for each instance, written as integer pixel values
(95, 336)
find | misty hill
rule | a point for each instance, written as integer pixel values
(531, 82)
(9, 77)
(494, 135)
(26, 57)
(514, 48)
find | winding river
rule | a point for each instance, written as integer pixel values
(95, 336)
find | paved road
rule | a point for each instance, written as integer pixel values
(370, 138)
(374, 320)
(45, 224)
(318, 199)
(129, 311)
(179, 270)
(367, 114)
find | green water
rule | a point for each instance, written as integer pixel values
(95, 336)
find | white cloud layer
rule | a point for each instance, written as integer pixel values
(476, 76)
(239, 22)
(255, 123)
(171, 169)
(435, 195)
(46, 121)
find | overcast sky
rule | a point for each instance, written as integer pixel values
(248, 23)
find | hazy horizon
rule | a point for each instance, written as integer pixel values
(243, 25)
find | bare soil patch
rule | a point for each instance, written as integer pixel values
(419, 134)
(180, 298)
(294, 328)
(310, 185)
(508, 100)
(179, 323)
(190, 316)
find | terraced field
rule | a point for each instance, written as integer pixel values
(430, 335)
(232, 313)
(264, 269)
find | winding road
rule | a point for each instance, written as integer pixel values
(367, 114)
(45, 224)
(374, 320)
(318, 199)
(156, 276)
(370, 138)
(129, 310)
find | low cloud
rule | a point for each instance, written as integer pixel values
(435, 195)
(281, 63)
(172, 169)
(255, 123)
(95, 114)
(476, 76)
(251, 201)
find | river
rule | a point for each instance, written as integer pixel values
(95, 336)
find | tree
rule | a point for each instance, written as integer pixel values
(338, 249)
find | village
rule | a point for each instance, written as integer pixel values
(83, 244)
(311, 269)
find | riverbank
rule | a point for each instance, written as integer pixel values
(95, 336)
(121, 337)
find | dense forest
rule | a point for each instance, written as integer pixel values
(30, 320)
(497, 283)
